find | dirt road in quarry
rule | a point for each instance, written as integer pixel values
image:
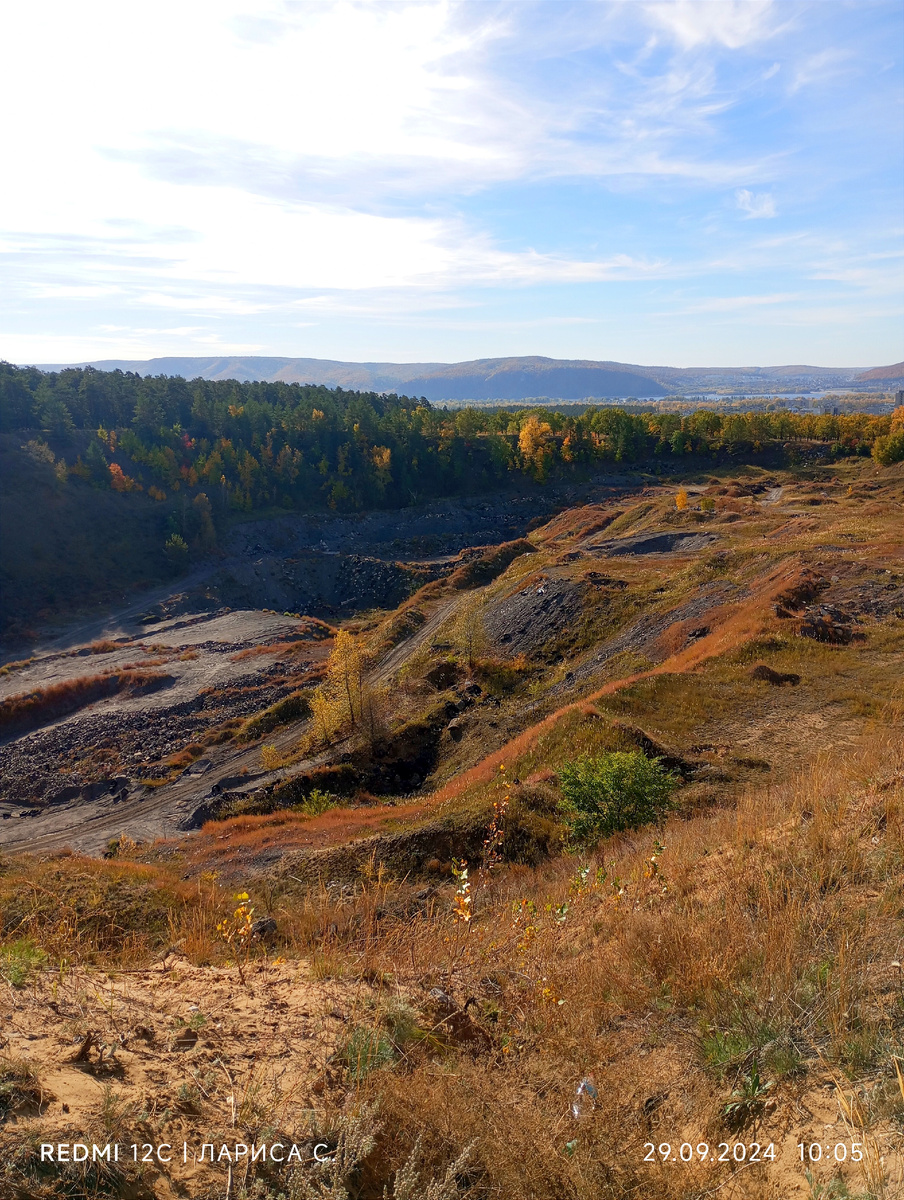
(88, 822)
(221, 654)
(395, 659)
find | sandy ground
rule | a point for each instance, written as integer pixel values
(182, 1053)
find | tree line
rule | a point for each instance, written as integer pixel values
(257, 445)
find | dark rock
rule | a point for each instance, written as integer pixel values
(206, 811)
(824, 629)
(442, 1000)
(64, 795)
(656, 543)
(646, 745)
(776, 678)
(443, 675)
(263, 928)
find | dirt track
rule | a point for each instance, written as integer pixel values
(123, 764)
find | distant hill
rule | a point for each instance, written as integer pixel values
(511, 379)
(892, 374)
(482, 379)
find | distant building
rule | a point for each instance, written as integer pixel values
(899, 398)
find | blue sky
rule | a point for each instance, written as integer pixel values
(685, 183)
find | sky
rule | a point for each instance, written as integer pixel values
(680, 182)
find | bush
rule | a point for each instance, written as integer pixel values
(888, 450)
(176, 552)
(317, 802)
(611, 792)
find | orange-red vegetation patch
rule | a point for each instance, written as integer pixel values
(489, 563)
(30, 709)
(270, 648)
(243, 837)
(580, 522)
(103, 647)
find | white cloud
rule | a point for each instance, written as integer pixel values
(246, 162)
(730, 23)
(117, 341)
(63, 291)
(756, 205)
(209, 304)
(821, 67)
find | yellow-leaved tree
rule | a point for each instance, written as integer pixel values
(469, 633)
(344, 698)
(535, 441)
(345, 673)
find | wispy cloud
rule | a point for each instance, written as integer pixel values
(389, 157)
(730, 23)
(755, 206)
(822, 67)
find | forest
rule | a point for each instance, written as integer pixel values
(251, 447)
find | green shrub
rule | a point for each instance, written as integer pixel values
(19, 959)
(622, 790)
(366, 1050)
(176, 551)
(317, 802)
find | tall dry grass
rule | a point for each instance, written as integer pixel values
(662, 967)
(30, 709)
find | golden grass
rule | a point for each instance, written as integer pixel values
(270, 648)
(44, 704)
(765, 933)
(10, 667)
(661, 966)
(104, 646)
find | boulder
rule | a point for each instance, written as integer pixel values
(263, 928)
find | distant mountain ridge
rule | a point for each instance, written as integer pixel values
(514, 378)
(892, 374)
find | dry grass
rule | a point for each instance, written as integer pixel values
(766, 934)
(10, 667)
(30, 709)
(756, 933)
(297, 647)
(662, 967)
(103, 647)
